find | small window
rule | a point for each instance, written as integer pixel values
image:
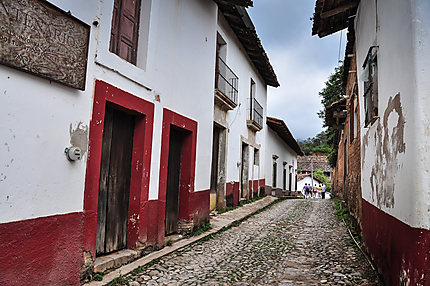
(125, 29)
(370, 78)
(256, 157)
(353, 111)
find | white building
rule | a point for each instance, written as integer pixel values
(240, 109)
(280, 159)
(131, 85)
(392, 40)
(303, 179)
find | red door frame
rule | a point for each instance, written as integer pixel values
(188, 163)
(141, 162)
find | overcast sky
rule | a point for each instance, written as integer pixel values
(302, 62)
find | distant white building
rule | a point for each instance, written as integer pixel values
(281, 158)
(303, 179)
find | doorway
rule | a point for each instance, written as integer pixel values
(244, 166)
(173, 180)
(217, 187)
(114, 182)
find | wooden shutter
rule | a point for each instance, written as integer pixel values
(125, 29)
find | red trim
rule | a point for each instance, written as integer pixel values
(188, 162)
(255, 188)
(141, 161)
(400, 251)
(236, 193)
(42, 251)
(261, 182)
(201, 202)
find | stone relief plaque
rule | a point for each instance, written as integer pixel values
(41, 39)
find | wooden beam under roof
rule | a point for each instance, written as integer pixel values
(244, 3)
(338, 10)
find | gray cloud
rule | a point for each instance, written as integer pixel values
(302, 63)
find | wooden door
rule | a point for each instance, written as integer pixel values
(114, 184)
(173, 181)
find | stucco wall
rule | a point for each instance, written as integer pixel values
(277, 146)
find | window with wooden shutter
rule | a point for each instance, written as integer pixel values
(370, 78)
(125, 29)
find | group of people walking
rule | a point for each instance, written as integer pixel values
(317, 192)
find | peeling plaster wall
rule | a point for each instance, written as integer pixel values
(241, 65)
(395, 156)
(277, 146)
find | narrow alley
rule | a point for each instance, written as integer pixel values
(294, 242)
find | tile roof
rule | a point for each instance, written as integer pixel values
(318, 162)
(239, 20)
(331, 16)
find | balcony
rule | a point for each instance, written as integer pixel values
(255, 115)
(226, 86)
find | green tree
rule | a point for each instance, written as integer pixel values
(333, 90)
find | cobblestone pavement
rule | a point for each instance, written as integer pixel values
(295, 242)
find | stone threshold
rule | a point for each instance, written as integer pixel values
(127, 256)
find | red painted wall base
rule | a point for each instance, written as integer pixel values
(42, 251)
(201, 203)
(401, 252)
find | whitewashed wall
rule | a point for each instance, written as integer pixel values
(276, 146)
(36, 114)
(241, 65)
(402, 34)
(35, 120)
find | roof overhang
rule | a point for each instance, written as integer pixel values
(239, 20)
(335, 116)
(282, 130)
(331, 16)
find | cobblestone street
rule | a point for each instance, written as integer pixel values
(295, 242)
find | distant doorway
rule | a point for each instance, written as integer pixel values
(114, 182)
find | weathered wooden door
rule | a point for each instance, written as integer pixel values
(114, 184)
(173, 181)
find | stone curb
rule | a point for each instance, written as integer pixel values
(218, 223)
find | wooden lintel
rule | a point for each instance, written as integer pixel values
(339, 10)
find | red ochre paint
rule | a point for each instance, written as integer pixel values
(42, 251)
(401, 252)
